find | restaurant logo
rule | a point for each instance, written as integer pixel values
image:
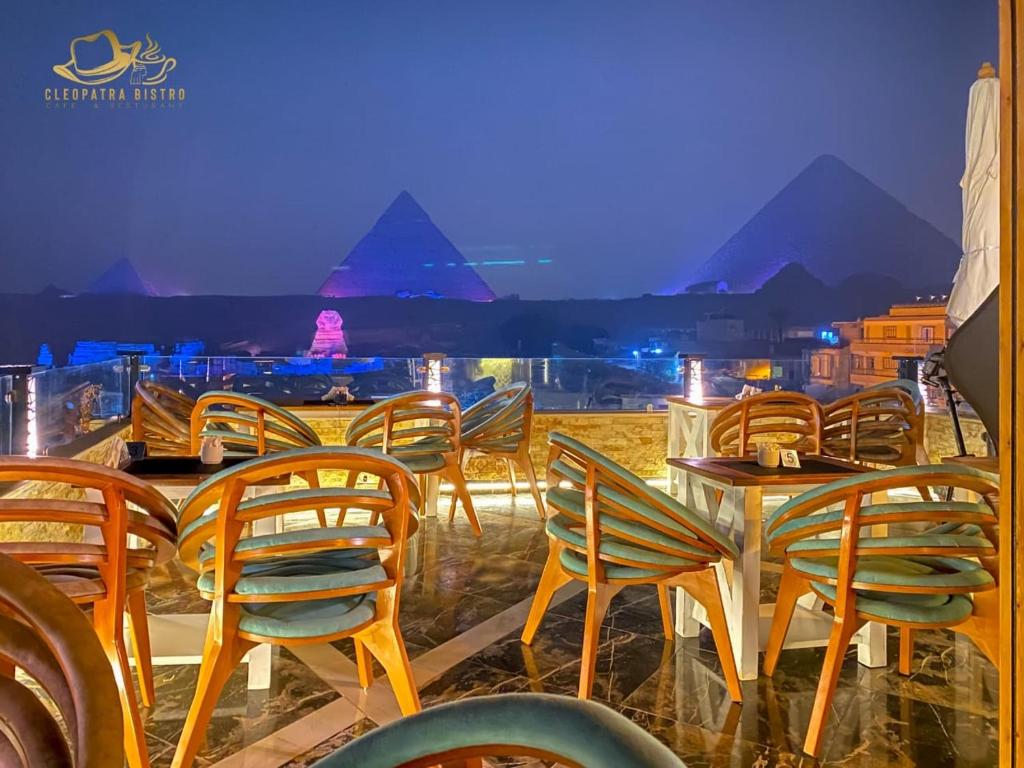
(105, 70)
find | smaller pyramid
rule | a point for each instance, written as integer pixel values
(122, 278)
(405, 254)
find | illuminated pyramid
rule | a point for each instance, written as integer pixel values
(121, 278)
(405, 254)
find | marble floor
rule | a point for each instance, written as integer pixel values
(463, 606)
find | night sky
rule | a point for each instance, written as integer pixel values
(622, 141)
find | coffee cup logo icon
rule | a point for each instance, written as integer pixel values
(101, 58)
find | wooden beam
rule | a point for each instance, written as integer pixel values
(1011, 382)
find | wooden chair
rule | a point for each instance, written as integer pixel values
(423, 430)
(930, 580)
(105, 572)
(883, 426)
(558, 729)
(248, 424)
(160, 418)
(610, 529)
(499, 426)
(789, 418)
(302, 586)
(44, 634)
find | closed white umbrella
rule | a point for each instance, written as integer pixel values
(978, 275)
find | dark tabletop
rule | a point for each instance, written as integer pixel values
(745, 471)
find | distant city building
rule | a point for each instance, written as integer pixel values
(406, 255)
(719, 326)
(98, 351)
(329, 339)
(869, 349)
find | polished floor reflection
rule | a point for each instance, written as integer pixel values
(463, 606)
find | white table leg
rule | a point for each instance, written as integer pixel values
(871, 639)
(260, 659)
(260, 656)
(687, 624)
(743, 609)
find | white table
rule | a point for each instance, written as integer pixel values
(732, 498)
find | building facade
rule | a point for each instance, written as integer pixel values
(869, 350)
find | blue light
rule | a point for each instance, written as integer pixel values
(657, 350)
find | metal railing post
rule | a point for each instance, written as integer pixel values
(16, 441)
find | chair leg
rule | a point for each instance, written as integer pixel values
(666, 612)
(983, 625)
(791, 588)
(526, 463)
(703, 587)
(364, 664)
(843, 630)
(511, 476)
(384, 640)
(906, 650)
(457, 479)
(108, 621)
(550, 580)
(138, 626)
(598, 598)
(222, 654)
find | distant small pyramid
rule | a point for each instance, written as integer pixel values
(837, 223)
(121, 277)
(405, 254)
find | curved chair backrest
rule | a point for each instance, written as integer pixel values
(621, 517)
(878, 426)
(912, 388)
(791, 419)
(500, 422)
(409, 425)
(248, 424)
(43, 633)
(160, 418)
(151, 519)
(556, 728)
(213, 521)
(797, 526)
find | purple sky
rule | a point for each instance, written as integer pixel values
(624, 141)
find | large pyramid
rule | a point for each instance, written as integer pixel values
(121, 277)
(836, 223)
(405, 254)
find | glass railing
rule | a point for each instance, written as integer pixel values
(563, 383)
(290, 381)
(64, 404)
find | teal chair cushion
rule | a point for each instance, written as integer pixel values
(576, 565)
(307, 618)
(578, 732)
(571, 500)
(560, 527)
(874, 513)
(917, 609)
(914, 476)
(883, 570)
(421, 463)
(866, 545)
(339, 569)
